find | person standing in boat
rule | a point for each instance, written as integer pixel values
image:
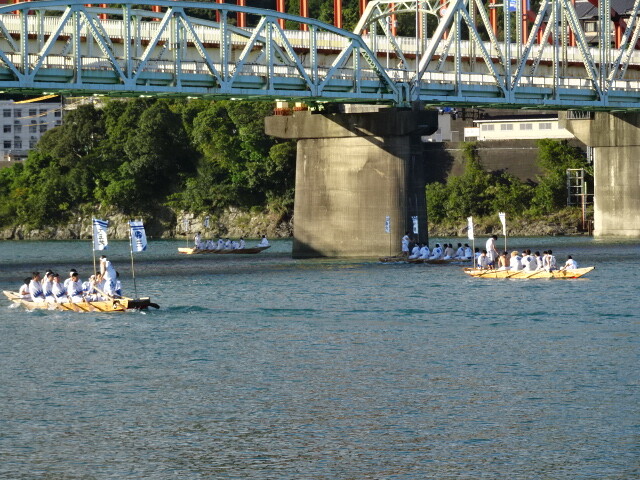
(74, 289)
(492, 251)
(35, 288)
(198, 240)
(405, 244)
(109, 275)
(242, 243)
(552, 263)
(264, 242)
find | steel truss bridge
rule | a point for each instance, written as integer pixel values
(64, 46)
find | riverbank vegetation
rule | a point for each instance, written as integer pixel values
(138, 156)
(483, 194)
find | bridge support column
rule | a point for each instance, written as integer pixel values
(615, 139)
(352, 171)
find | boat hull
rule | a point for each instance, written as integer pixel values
(524, 274)
(115, 305)
(239, 251)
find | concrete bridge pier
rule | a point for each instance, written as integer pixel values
(352, 171)
(615, 139)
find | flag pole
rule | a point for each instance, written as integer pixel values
(133, 272)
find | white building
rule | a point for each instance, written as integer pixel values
(23, 124)
(516, 129)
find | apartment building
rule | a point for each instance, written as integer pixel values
(23, 124)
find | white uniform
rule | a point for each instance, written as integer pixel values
(516, 263)
(264, 242)
(460, 252)
(424, 252)
(468, 253)
(553, 265)
(109, 277)
(405, 244)
(415, 253)
(539, 265)
(220, 244)
(492, 253)
(483, 261)
(242, 243)
(436, 253)
(47, 289)
(24, 291)
(197, 240)
(59, 292)
(571, 264)
(74, 291)
(235, 245)
(35, 290)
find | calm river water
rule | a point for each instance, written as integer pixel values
(264, 367)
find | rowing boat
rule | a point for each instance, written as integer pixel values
(439, 261)
(112, 305)
(192, 250)
(525, 274)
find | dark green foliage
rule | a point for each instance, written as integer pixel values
(134, 156)
(478, 193)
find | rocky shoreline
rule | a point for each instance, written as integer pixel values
(236, 223)
(232, 223)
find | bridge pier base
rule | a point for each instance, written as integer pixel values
(615, 139)
(352, 171)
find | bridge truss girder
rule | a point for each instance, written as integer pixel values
(78, 56)
(64, 46)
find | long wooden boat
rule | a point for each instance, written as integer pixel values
(113, 305)
(237, 251)
(525, 274)
(439, 261)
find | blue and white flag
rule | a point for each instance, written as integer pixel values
(387, 224)
(206, 221)
(100, 241)
(415, 224)
(138, 236)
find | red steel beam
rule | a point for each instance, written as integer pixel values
(304, 12)
(280, 7)
(241, 19)
(337, 13)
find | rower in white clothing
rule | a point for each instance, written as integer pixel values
(264, 242)
(415, 252)
(24, 289)
(35, 288)
(198, 240)
(515, 262)
(459, 252)
(468, 253)
(425, 252)
(405, 244)
(74, 289)
(570, 264)
(241, 243)
(552, 263)
(220, 244)
(58, 289)
(436, 253)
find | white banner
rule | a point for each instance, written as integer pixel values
(387, 224)
(503, 220)
(206, 221)
(100, 241)
(470, 228)
(138, 236)
(185, 224)
(415, 224)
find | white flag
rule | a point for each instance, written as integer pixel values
(100, 241)
(387, 224)
(415, 224)
(503, 220)
(470, 228)
(138, 236)
(185, 224)
(206, 221)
